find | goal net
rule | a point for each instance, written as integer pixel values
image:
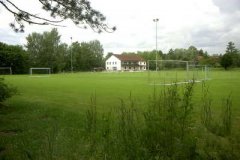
(5, 70)
(199, 72)
(168, 72)
(40, 72)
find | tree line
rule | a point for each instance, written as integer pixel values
(47, 50)
(230, 59)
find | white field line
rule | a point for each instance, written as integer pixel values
(177, 83)
(39, 76)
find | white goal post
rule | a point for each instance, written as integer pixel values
(40, 71)
(165, 72)
(5, 70)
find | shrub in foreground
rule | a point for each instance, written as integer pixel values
(6, 91)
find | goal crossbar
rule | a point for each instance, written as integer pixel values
(7, 68)
(31, 70)
(169, 61)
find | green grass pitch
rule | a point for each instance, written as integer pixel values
(69, 91)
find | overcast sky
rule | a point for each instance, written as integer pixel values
(206, 24)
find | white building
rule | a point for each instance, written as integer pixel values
(119, 62)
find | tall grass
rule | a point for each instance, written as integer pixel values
(166, 129)
(168, 124)
(218, 142)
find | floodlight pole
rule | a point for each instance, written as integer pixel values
(71, 56)
(156, 20)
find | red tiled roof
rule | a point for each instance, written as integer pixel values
(132, 57)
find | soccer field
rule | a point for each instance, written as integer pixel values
(72, 90)
(47, 117)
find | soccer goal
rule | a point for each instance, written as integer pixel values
(168, 72)
(199, 72)
(39, 72)
(5, 70)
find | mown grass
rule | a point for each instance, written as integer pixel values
(47, 120)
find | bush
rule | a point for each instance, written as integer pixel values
(6, 91)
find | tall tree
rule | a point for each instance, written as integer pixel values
(97, 51)
(44, 49)
(233, 52)
(226, 61)
(87, 55)
(171, 54)
(191, 54)
(79, 11)
(231, 49)
(64, 58)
